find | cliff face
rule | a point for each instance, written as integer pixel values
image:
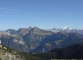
(7, 54)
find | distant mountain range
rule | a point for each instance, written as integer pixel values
(66, 29)
(36, 40)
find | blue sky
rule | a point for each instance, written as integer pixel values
(44, 14)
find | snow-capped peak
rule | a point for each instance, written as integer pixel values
(79, 29)
(63, 28)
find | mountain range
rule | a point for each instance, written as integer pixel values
(36, 40)
(66, 29)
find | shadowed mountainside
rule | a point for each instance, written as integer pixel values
(70, 52)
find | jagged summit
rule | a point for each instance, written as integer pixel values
(30, 27)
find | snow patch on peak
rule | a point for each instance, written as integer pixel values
(70, 28)
(79, 29)
(65, 27)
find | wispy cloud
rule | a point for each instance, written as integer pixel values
(8, 9)
(7, 15)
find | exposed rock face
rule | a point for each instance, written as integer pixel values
(9, 55)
